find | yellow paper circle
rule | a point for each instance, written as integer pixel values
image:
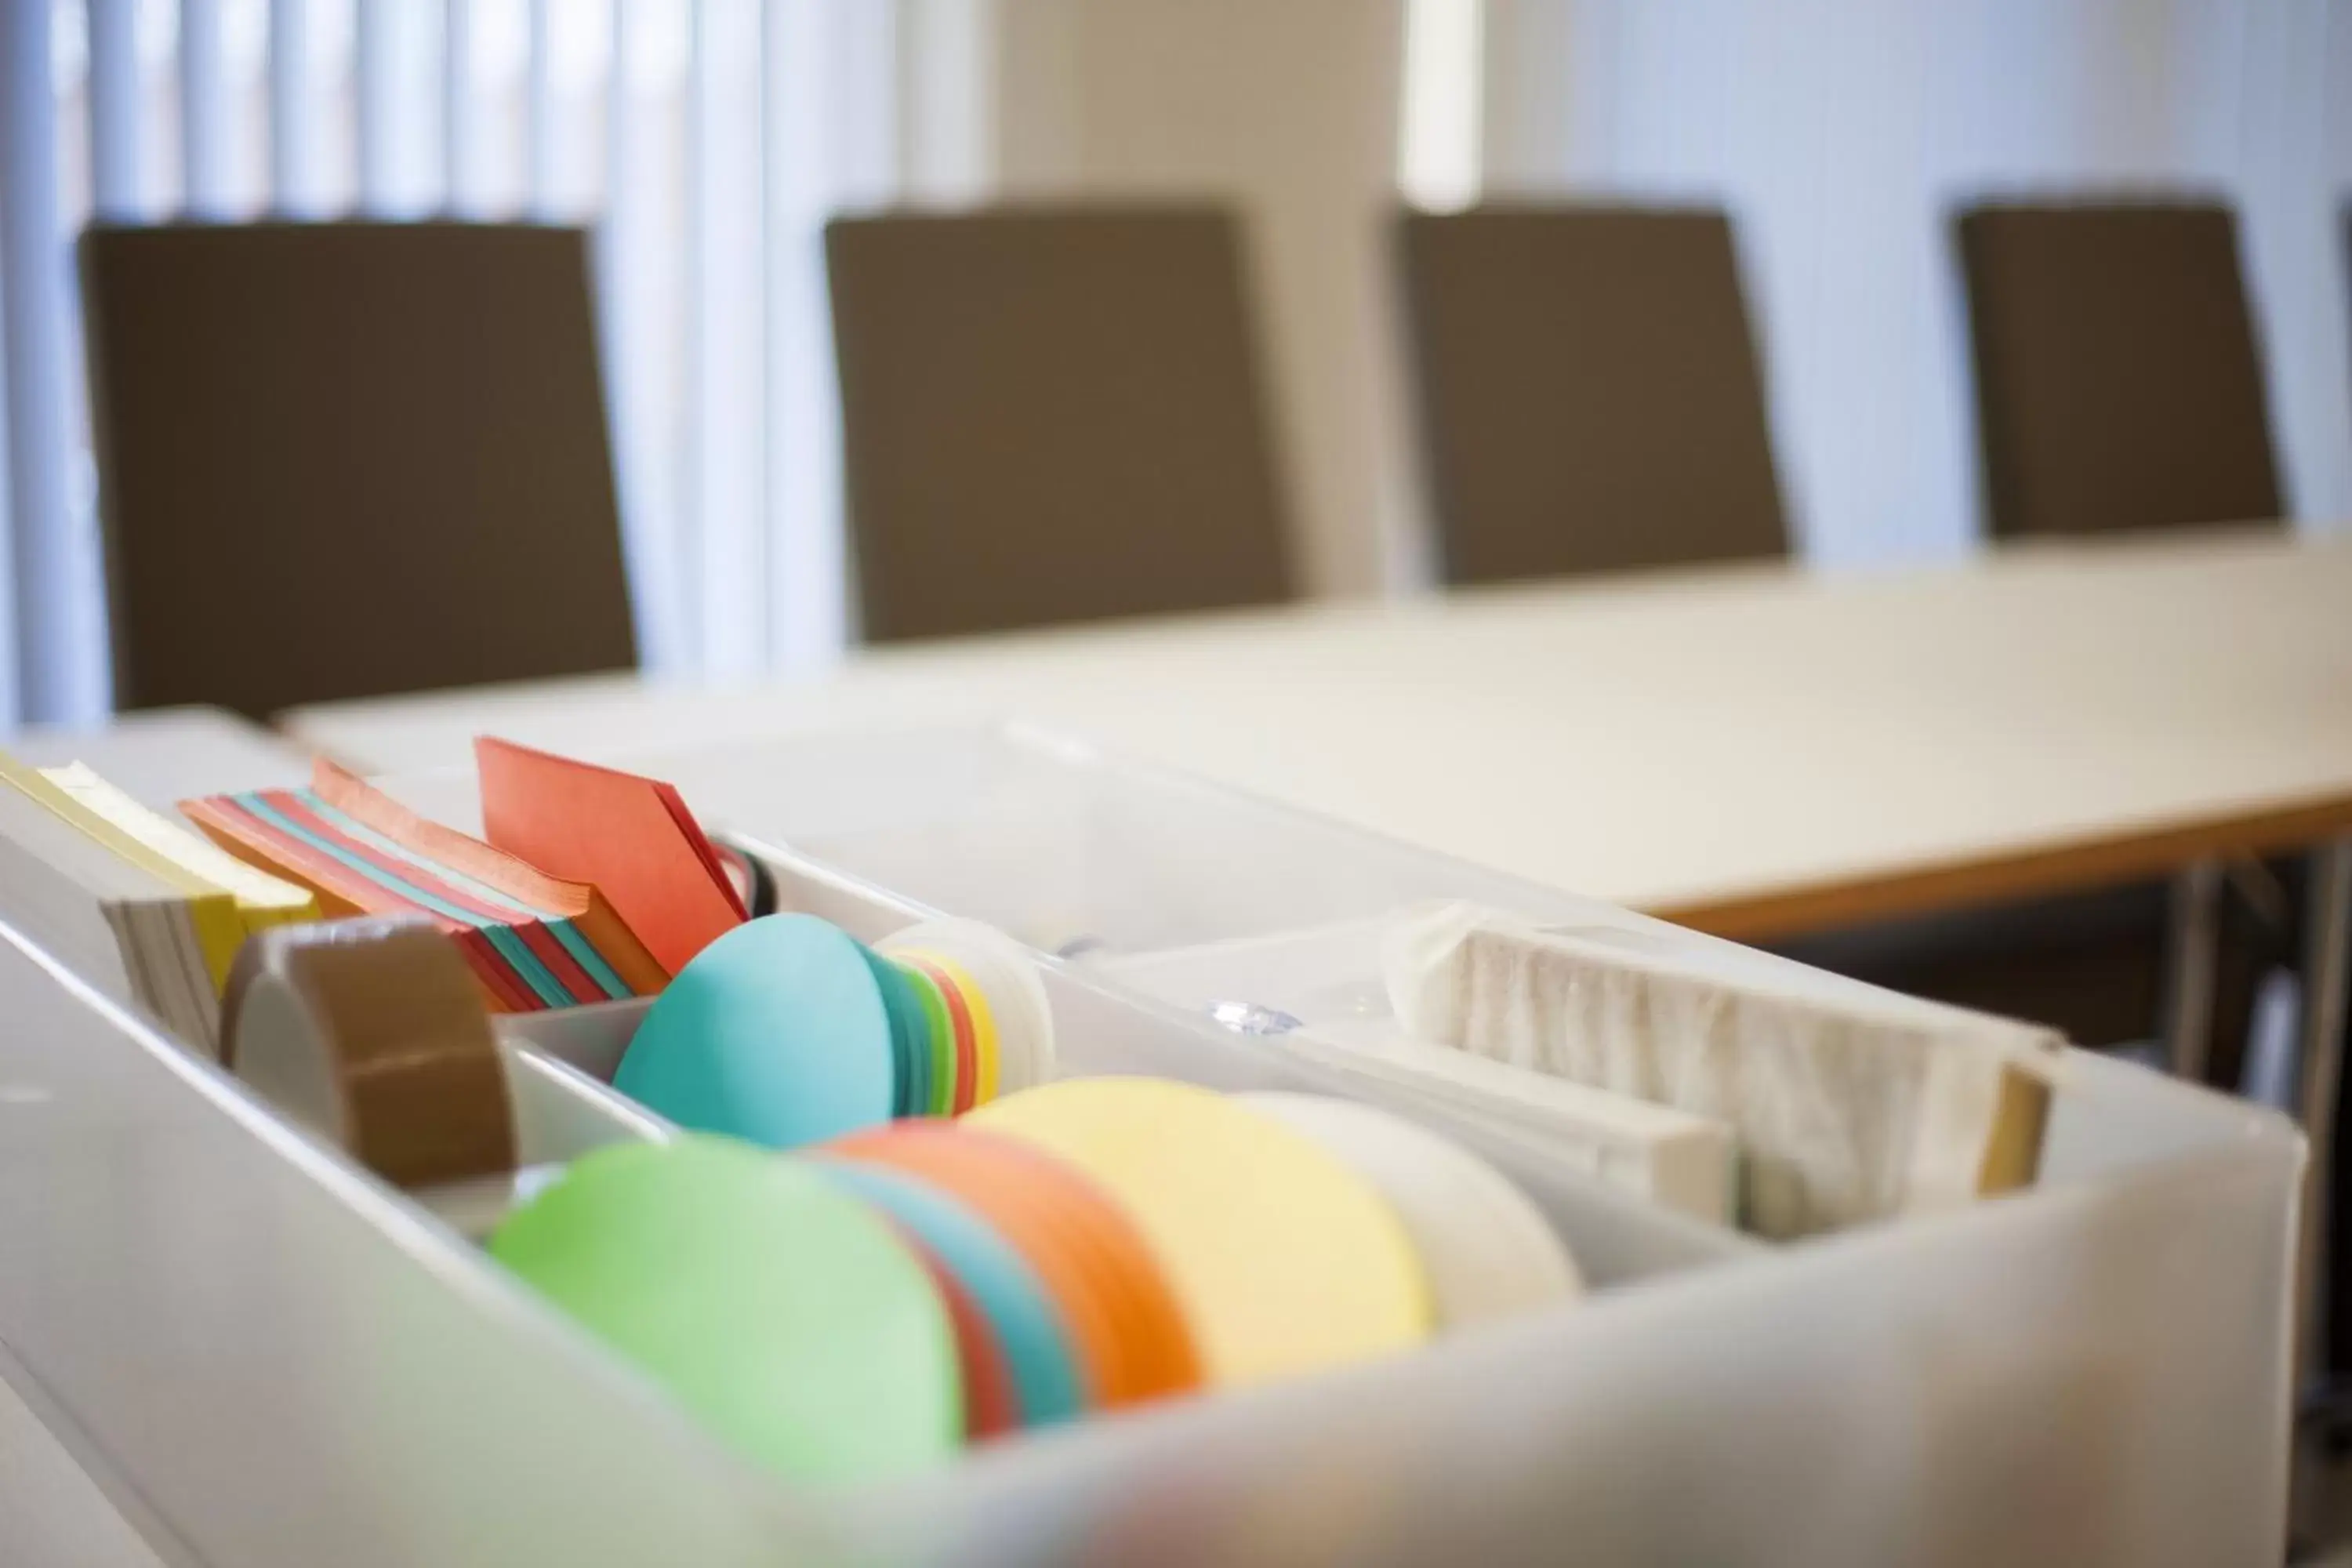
(1284, 1258)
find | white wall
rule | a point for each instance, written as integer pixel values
(1289, 106)
(1840, 132)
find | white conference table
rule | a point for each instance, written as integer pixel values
(1758, 751)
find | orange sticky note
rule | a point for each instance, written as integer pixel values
(632, 836)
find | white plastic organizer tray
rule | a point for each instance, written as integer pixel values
(266, 1357)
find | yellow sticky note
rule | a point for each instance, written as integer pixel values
(226, 899)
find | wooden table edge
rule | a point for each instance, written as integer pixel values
(2063, 866)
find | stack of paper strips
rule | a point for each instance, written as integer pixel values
(1849, 1103)
(534, 941)
(131, 901)
(262, 900)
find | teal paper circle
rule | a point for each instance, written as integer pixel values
(1028, 1325)
(909, 1043)
(777, 1033)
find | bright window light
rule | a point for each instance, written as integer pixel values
(1437, 155)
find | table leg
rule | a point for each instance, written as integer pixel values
(2328, 965)
(2189, 961)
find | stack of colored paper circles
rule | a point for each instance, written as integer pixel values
(788, 1031)
(864, 1308)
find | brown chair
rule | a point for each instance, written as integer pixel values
(1589, 388)
(344, 460)
(1052, 414)
(2119, 385)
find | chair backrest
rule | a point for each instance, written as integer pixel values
(2119, 382)
(1589, 391)
(1052, 414)
(346, 460)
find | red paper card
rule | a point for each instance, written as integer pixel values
(632, 836)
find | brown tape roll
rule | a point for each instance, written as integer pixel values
(372, 1032)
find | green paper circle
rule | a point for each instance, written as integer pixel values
(939, 1031)
(783, 1312)
(943, 1070)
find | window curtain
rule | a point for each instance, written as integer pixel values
(704, 140)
